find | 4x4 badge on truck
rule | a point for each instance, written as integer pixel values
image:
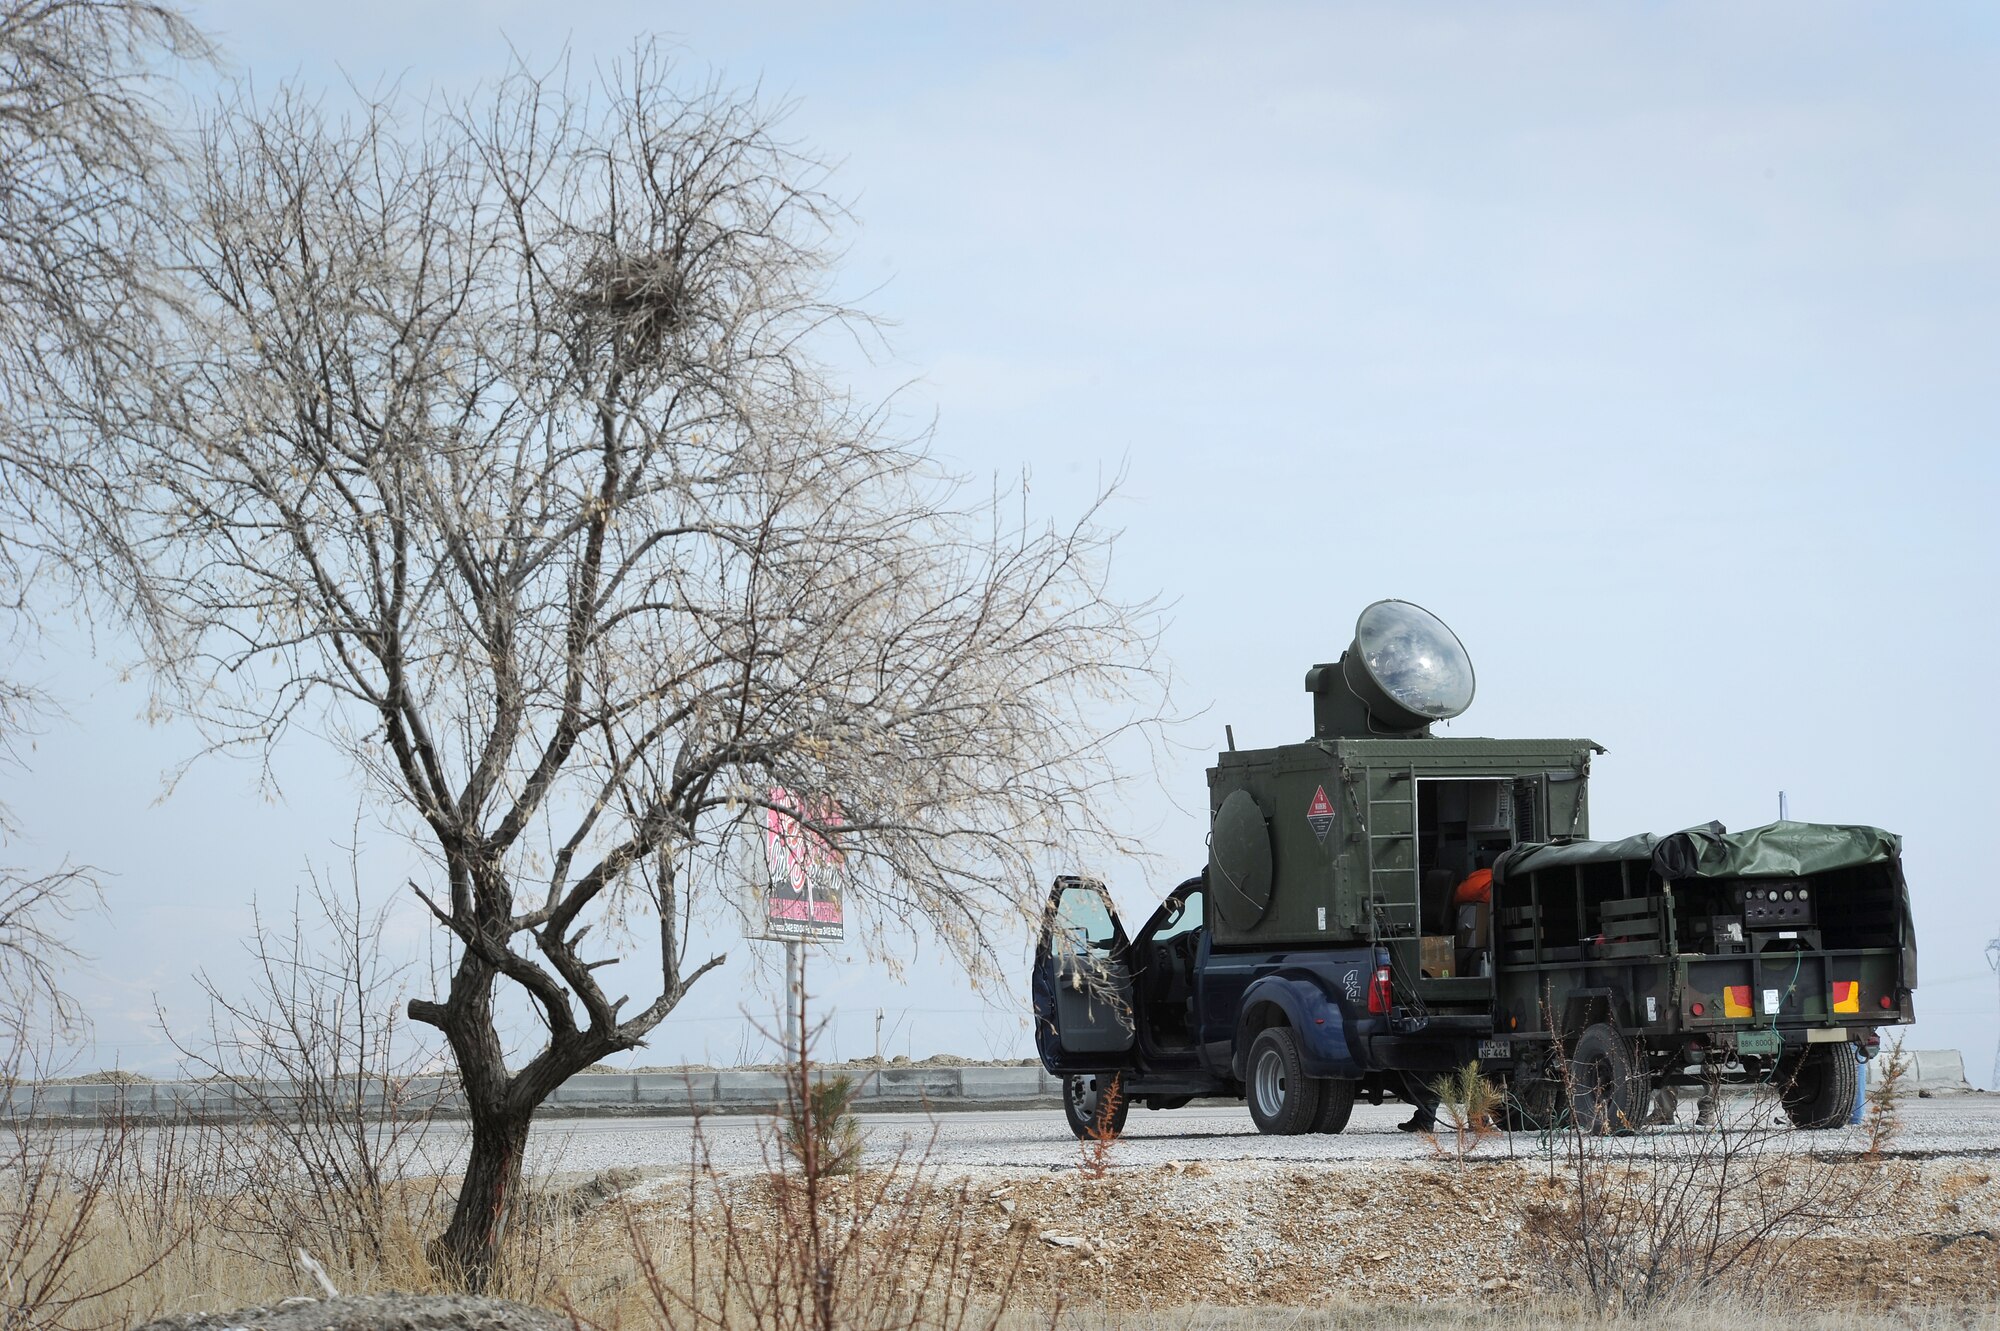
(1320, 814)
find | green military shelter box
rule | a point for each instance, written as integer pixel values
(1349, 839)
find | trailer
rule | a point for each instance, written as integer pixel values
(1769, 956)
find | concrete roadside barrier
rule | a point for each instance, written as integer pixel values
(920, 1086)
(736, 1090)
(1938, 1071)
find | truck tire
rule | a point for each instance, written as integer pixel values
(1284, 1101)
(1336, 1104)
(1821, 1091)
(1080, 1104)
(1609, 1091)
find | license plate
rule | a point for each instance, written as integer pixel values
(1493, 1049)
(1766, 1043)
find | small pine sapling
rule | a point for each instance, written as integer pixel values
(821, 1130)
(1470, 1105)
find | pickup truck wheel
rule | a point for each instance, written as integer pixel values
(1284, 1101)
(1080, 1104)
(1608, 1090)
(1336, 1104)
(1822, 1088)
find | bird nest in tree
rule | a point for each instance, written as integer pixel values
(643, 296)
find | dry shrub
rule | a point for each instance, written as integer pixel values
(800, 1245)
(1644, 1223)
(1885, 1089)
(1103, 1133)
(331, 1159)
(72, 1249)
(886, 1249)
(78, 1228)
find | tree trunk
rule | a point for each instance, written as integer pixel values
(470, 1247)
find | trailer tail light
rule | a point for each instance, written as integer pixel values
(1379, 999)
(1736, 1000)
(1888, 1002)
(1697, 1009)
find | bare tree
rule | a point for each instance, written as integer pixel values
(498, 446)
(86, 158)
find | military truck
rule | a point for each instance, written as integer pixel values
(1326, 951)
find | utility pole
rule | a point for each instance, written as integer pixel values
(795, 980)
(1993, 960)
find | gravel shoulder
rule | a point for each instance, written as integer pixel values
(1208, 1131)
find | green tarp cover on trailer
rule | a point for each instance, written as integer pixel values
(1534, 855)
(1776, 850)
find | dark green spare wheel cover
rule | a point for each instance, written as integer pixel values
(1239, 858)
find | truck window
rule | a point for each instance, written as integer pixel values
(1083, 920)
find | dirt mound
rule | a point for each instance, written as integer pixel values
(1256, 1234)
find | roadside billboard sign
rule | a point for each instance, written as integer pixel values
(804, 897)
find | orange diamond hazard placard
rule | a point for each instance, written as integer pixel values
(1320, 813)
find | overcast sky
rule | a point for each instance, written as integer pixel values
(1652, 347)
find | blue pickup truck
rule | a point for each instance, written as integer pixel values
(1172, 1019)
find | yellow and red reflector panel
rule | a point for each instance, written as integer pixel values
(1736, 1000)
(1847, 996)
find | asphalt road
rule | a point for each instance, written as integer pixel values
(1039, 1139)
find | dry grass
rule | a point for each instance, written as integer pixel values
(898, 1247)
(1714, 1315)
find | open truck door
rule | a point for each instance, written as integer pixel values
(1083, 982)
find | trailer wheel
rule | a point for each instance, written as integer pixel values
(1336, 1104)
(1609, 1092)
(1284, 1101)
(1822, 1088)
(1080, 1104)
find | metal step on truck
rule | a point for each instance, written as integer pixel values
(1381, 906)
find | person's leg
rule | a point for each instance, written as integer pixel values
(1419, 1093)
